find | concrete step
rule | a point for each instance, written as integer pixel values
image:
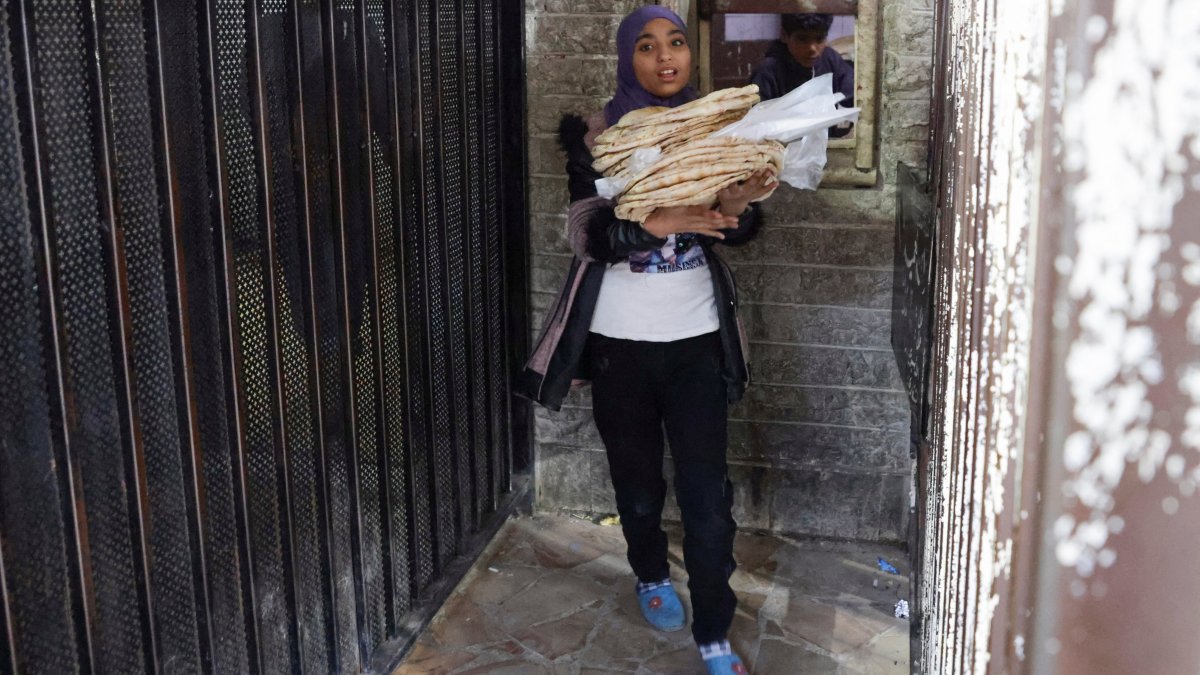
(833, 286)
(837, 406)
(815, 446)
(867, 408)
(812, 502)
(792, 444)
(817, 325)
(835, 245)
(779, 363)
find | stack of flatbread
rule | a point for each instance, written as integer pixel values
(693, 166)
(669, 128)
(694, 172)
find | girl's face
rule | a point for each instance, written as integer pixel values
(662, 60)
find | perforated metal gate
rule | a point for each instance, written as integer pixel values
(256, 307)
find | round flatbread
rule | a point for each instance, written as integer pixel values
(694, 173)
(670, 127)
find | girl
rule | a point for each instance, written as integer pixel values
(649, 315)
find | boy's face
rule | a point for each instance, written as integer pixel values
(662, 60)
(805, 46)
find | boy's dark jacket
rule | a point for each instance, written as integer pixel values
(598, 238)
(780, 73)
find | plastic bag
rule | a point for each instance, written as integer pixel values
(785, 126)
(641, 160)
(801, 120)
(806, 109)
(609, 188)
(804, 161)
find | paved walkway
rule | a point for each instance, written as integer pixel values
(554, 594)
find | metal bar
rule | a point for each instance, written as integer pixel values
(35, 575)
(96, 418)
(468, 21)
(37, 580)
(514, 238)
(176, 79)
(121, 329)
(227, 294)
(486, 443)
(283, 138)
(475, 279)
(497, 441)
(454, 194)
(358, 231)
(404, 487)
(383, 52)
(304, 51)
(181, 348)
(373, 219)
(412, 237)
(260, 114)
(441, 513)
(82, 593)
(334, 93)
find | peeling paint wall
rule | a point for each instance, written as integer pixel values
(1064, 451)
(990, 57)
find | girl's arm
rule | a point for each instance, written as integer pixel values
(594, 230)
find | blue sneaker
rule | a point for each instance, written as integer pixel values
(661, 606)
(726, 665)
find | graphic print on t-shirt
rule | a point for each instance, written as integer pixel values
(681, 252)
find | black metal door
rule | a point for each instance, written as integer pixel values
(255, 320)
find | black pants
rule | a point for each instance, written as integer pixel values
(638, 388)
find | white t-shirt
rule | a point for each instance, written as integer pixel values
(658, 295)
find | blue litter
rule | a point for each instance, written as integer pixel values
(887, 567)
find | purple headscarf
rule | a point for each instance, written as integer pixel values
(631, 95)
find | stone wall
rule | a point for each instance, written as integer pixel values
(820, 445)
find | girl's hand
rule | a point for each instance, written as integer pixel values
(694, 219)
(735, 198)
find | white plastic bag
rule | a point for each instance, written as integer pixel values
(785, 127)
(609, 188)
(808, 108)
(800, 119)
(804, 161)
(641, 160)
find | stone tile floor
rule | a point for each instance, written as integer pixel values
(554, 594)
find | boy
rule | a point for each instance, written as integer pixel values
(802, 55)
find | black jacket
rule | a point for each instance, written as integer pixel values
(598, 239)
